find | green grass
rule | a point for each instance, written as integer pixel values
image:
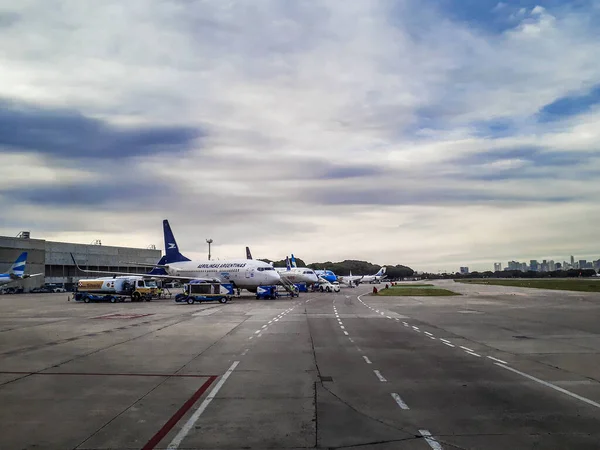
(415, 290)
(582, 285)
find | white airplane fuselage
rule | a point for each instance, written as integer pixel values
(243, 273)
(298, 275)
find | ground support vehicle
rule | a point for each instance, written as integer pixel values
(205, 291)
(136, 287)
(301, 287)
(267, 292)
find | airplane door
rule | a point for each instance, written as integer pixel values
(249, 272)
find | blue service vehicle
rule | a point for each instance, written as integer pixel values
(266, 292)
(205, 291)
(301, 287)
(88, 297)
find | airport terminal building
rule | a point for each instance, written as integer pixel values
(53, 259)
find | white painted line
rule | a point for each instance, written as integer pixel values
(496, 359)
(342, 327)
(276, 320)
(346, 333)
(401, 403)
(367, 360)
(377, 310)
(405, 323)
(192, 420)
(270, 321)
(431, 337)
(383, 314)
(550, 385)
(250, 338)
(397, 320)
(467, 349)
(388, 317)
(381, 378)
(445, 340)
(435, 445)
(245, 351)
(259, 335)
(257, 331)
(473, 353)
(351, 340)
(428, 333)
(449, 345)
(264, 326)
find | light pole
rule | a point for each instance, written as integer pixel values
(209, 241)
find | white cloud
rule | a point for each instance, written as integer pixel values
(284, 92)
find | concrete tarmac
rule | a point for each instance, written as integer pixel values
(495, 368)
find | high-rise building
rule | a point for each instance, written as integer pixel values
(544, 266)
(582, 264)
(464, 270)
(533, 265)
(497, 267)
(524, 267)
(572, 261)
(551, 265)
(514, 265)
(559, 266)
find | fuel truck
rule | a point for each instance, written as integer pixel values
(116, 289)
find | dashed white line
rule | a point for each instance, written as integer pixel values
(550, 385)
(257, 331)
(381, 378)
(496, 359)
(445, 340)
(367, 360)
(346, 333)
(192, 420)
(271, 321)
(431, 337)
(473, 353)
(250, 338)
(406, 324)
(435, 445)
(449, 345)
(401, 403)
(264, 326)
(467, 349)
(342, 327)
(245, 351)
(351, 340)
(388, 317)
(428, 333)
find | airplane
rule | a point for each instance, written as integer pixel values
(291, 272)
(17, 271)
(327, 274)
(351, 280)
(377, 278)
(243, 273)
(297, 274)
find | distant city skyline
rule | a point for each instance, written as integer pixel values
(539, 265)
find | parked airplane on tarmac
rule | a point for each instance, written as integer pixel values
(243, 273)
(292, 273)
(16, 271)
(377, 278)
(351, 280)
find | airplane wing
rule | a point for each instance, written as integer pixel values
(145, 275)
(24, 277)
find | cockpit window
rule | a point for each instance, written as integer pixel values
(308, 272)
(261, 269)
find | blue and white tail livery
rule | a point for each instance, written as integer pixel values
(16, 271)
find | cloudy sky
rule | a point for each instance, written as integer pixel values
(431, 133)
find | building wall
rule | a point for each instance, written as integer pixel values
(53, 259)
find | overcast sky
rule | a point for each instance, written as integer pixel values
(433, 134)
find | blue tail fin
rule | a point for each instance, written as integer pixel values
(159, 270)
(18, 268)
(287, 263)
(248, 254)
(172, 254)
(293, 261)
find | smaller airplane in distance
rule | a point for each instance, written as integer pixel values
(327, 274)
(377, 278)
(292, 273)
(17, 271)
(351, 280)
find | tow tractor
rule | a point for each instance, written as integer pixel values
(205, 291)
(273, 292)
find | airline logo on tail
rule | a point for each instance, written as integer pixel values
(381, 272)
(248, 254)
(287, 263)
(293, 261)
(172, 251)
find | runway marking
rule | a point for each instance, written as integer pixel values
(270, 321)
(245, 351)
(401, 403)
(257, 331)
(367, 360)
(496, 359)
(192, 420)
(388, 317)
(264, 326)
(377, 310)
(358, 348)
(405, 324)
(446, 343)
(473, 353)
(276, 320)
(550, 385)
(467, 349)
(397, 320)
(381, 378)
(155, 440)
(351, 340)
(445, 340)
(431, 337)
(428, 333)
(342, 327)
(346, 333)
(435, 445)
(250, 338)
